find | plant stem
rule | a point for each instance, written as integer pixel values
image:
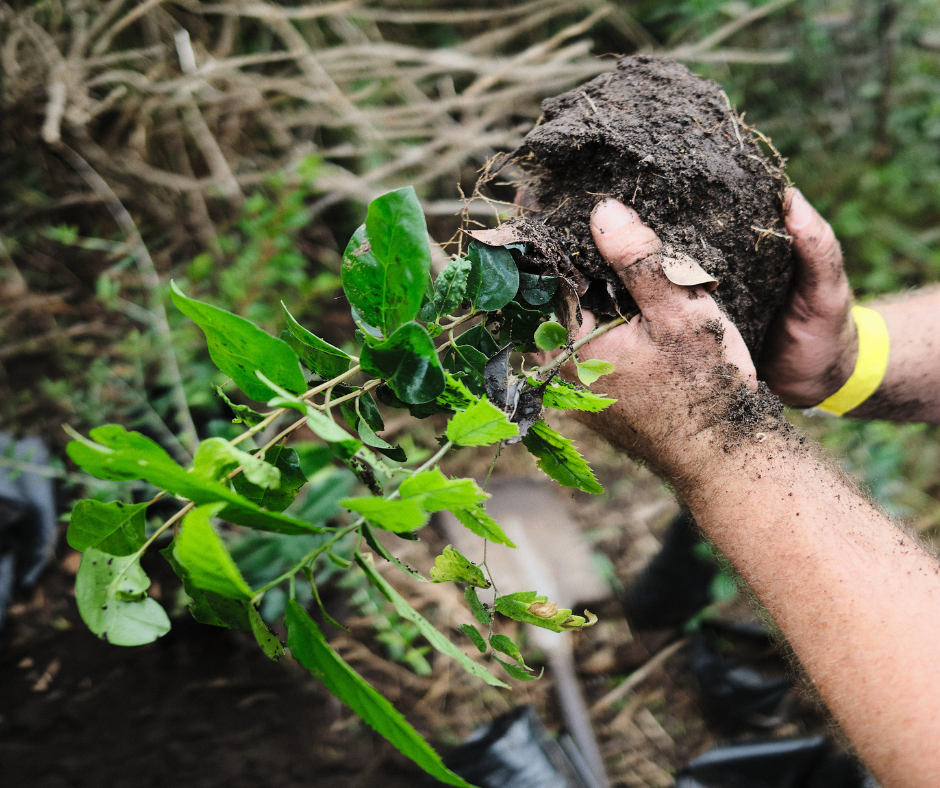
(544, 372)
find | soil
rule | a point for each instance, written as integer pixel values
(656, 137)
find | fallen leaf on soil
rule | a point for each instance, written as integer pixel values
(680, 269)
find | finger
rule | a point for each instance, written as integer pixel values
(633, 250)
(819, 258)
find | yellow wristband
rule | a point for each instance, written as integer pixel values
(874, 346)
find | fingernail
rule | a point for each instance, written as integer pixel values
(611, 215)
(800, 213)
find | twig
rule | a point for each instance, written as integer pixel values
(544, 372)
(638, 676)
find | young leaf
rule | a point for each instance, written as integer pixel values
(318, 355)
(530, 608)
(121, 612)
(480, 613)
(452, 566)
(589, 371)
(243, 414)
(206, 559)
(564, 396)
(311, 650)
(550, 335)
(519, 672)
(474, 634)
(559, 459)
(479, 522)
(215, 457)
(239, 348)
(435, 491)
(396, 515)
(537, 289)
(292, 478)
(504, 645)
(408, 361)
(270, 645)
(449, 290)
(493, 279)
(435, 638)
(114, 528)
(480, 425)
(388, 260)
(208, 607)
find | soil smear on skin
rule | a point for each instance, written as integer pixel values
(653, 135)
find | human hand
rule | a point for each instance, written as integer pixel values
(680, 364)
(812, 345)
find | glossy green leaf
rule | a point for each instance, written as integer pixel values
(435, 638)
(292, 478)
(115, 454)
(529, 607)
(408, 361)
(111, 592)
(450, 287)
(559, 459)
(479, 338)
(243, 414)
(481, 424)
(519, 326)
(493, 279)
(536, 289)
(550, 335)
(114, 528)
(362, 407)
(207, 607)
(474, 634)
(505, 645)
(311, 650)
(451, 566)
(239, 348)
(565, 396)
(387, 262)
(436, 492)
(468, 364)
(479, 522)
(216, 457)
(205, 557)
(480, 613)
(589, 371)
(318, 355)
(396, 515)
(269, 643)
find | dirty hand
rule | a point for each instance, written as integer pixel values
(811, 347)
(680, 363)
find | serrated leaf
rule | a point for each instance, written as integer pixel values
(114, 528)
(311, 650)
(519, 672)
(451, 566)
(239, 348)
(564, 396)
(435, 638)
(450, 287)
(292, 478)
(473, 633)
(481, 424)
(317, 354)
(436, 492)
(589, 371)
(115, 454)
(537, 289)
(493, 279)
(243, 414)
(396, 515)
(408, 362)
(559, 459)
(207, 607)
(205, 557)
(528, 607)
(119, 612)
(269, 643)
(387, 262)
(550, 335)
(480, 523)
(480, 613)
(216, 457)
(504, 644)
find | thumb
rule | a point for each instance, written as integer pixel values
(818, 256)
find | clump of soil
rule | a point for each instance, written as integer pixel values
(656, 137)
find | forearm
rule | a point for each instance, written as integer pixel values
(858, 600)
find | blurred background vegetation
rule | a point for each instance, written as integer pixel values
(233, 147)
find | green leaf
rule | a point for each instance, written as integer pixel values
(379, 549)
(550, 335)
(519, 672)
(564, 396)
(239, 348)
(118, 455)
(559, 459)
(479, 522)
(452, 566)
(114, 528)
(474, 634)
(270, 645)
(396, 515)
(436, 492)
(369, 438)
(408, 361)
(292, 478)
(480, 425)
(494, 277)
(480, 339)
(450, 287)
(435, 638)
(311, 650)
(206, 559)
(530, 608)
(480, 613)
(318, 355)
(519, 326)
(468, 363)
(589, 371)
(243, 414)
(504, 645)
(216, 457)
(537, 289)
(119, 612)
(388, 260)
(207, 607)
